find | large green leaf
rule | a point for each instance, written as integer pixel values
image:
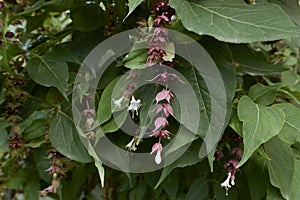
(260, 124)
(290, 132)
(235, 22)
(222, 57)
(281, 156)
(64, 137)
(49, 71)
(248, 61)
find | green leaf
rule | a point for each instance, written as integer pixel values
(294, 188)
(292, 80)
(222, 57)
(264, 95)
(290, 133)
(235, 123)
(281, 156)
(198, 190)
(132, 4)
(291, 8)
(49, 71)
(4, 135)
(104, 111)
(137, 57)
(36, 115)
(273, 194)
(248, 61)
(260, 124)
(64, 137)
(257, 175)
(114, 124)
(235, 22)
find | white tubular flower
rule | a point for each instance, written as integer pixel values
(131, 145)
(134, 105)
(226, 183)
(118, 102)
(158, 148)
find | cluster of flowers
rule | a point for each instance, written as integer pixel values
(55, 170)
(157, 54)
(15, 141)
(231, 165)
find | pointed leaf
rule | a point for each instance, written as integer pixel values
(132, 4)
(290, 132)
(104, 110)
(264, 95)
(64, 137)
(235, 22)
(260, 124)
(49, 71)
(281, 156)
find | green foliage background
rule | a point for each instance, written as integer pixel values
(254, 45)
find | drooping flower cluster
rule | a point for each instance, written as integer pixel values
(55, 170)
(164, 13)
(161, 51)
(235, 154)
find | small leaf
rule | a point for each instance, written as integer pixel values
(290, 133)
(49, 71)
(114, 124)
(64, 137)
(36, 115)
(281, 155)
(264, 95)
(235, 22)
(198, 190)
(260, 124)
(132, 4)
(137, 56)
(292, 80)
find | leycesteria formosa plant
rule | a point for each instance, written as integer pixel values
(207, 90)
